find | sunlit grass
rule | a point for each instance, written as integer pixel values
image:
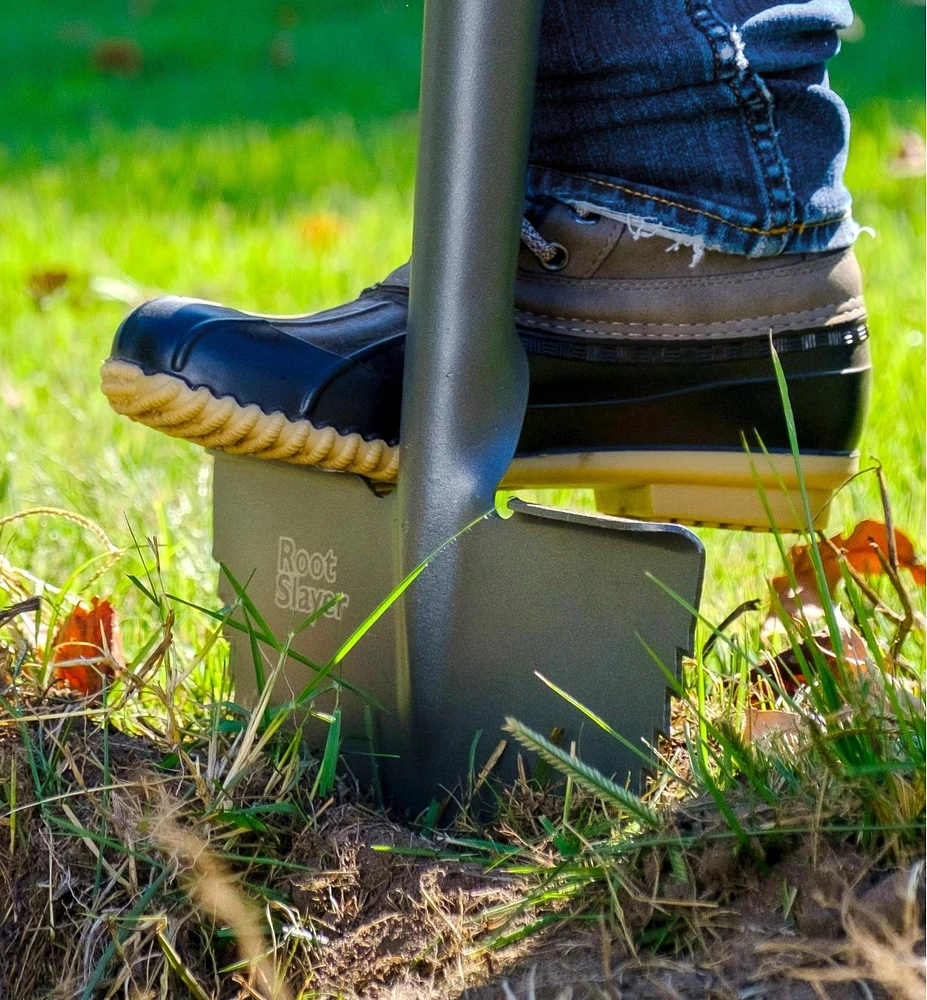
(297, 219)
(226, 215)
(285, 185)
(228, 172)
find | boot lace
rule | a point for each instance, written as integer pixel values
(553, 256)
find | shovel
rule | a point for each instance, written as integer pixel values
(599, 606)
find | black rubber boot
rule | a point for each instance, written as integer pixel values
(648, 368)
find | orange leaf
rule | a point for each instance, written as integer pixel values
(87, 647)
(321, 230)
(859, 553)
(805, 597)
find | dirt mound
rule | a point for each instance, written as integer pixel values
(351, 904)
(387, 907)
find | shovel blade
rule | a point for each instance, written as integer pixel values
(572, 597)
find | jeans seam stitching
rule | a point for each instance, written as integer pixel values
(756, 109)
(795, 227)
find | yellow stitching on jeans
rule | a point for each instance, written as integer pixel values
(799, 227)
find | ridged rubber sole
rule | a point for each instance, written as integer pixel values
(702, 488)
(169, 405)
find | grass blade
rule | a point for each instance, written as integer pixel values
(325, 780)
(588, 777)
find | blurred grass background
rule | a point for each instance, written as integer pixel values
(262, 155)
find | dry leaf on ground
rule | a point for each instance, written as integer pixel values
(87, 648)
(910, 157)
(281, 51)
(43, 286)
(117, 57)
(804, 598)
(761, 723)
(321, 230)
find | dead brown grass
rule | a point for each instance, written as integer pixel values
(126, 878)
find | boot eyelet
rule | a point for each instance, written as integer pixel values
(590, 219)
(560, 259)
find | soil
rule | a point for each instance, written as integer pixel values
(384, 914)
(398, 929)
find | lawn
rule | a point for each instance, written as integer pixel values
(283, 183)
(264, 158)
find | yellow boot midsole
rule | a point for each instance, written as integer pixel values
(588, 470)
(712, 488)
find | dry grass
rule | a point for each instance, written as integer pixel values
(155, 845)
(128, 871)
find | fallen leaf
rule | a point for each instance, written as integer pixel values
(281, 51)
(117, 57)
(799, 600)
(87, 648)
(43, 285)
(804, 598)
(854, 657)
(288, 16)
(761, 723)
(860, 554)
(910, 158)
(785, 669)
(855, 654)
(321, 230)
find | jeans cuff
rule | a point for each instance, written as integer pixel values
(703, 226)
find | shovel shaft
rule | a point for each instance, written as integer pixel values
(557, 592)
(466, 381)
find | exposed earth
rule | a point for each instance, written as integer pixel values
(368, 908)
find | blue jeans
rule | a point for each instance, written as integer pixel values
(708, 121)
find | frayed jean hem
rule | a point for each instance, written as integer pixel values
(699, 226)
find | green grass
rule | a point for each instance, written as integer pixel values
(214, 216)
(846, 756)
(261, 160)
(198, 177)
(204, 65)
(219, 172)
